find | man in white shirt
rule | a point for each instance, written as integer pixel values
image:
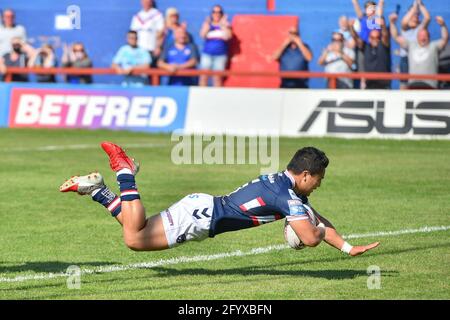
(423, 55)
(149, 25)
(10, 30)
(337, 58)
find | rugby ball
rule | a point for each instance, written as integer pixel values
(291, 237)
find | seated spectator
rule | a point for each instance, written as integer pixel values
(17, 57)
(216, 31)
(410, 26)
(423, 55)
(76, 57)
(294, 55)
(179, 56)
(171, 24)
(149, 25)
(44, 57)
(377, 54)
(337, 58)
(129, 58)
(10, 30)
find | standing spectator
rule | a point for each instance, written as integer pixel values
(423, 55)
(410, 26)
(10, 30)
(76, 57)
(377, 54)
(367, 21)
(345, 31)
(149, 25)
(129, 58)
(44, 57)
(172, 23)
(216, 31)
(294, 55)
(179, 56)
(337, 58)
(17, 57)
(370, 19)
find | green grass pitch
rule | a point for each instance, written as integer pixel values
(370, 186)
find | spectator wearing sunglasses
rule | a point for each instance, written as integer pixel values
(337, 58)
(76, 57)
(216, 31)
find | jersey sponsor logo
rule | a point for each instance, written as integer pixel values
(296, 207)
(255, 203)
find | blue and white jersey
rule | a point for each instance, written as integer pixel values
(263, 200)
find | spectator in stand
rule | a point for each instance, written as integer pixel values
(410, 26)
(76, 57)
(377, 54)
(216, 31)
(129, 58)
(293, 55)
(423, 55)
(180, 55)
(370, 19)
(337, 58)
(367, 21)
(17, 57)
(345, 31)
(149, 25)
(44, 57)
(171, 24)
(10, 30)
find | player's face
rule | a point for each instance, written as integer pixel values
(310, 182)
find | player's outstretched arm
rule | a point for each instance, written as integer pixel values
(334, 239)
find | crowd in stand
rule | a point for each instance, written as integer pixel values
(163, 41)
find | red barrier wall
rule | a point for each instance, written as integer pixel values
(256, 38)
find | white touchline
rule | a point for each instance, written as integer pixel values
(78, 147)
(237, 253)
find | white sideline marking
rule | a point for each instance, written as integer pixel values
(78, 147)
(238, 253)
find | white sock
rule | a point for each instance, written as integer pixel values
(124, 171)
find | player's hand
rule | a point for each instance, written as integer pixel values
(357, 250)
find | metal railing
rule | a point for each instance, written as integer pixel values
(155, 74)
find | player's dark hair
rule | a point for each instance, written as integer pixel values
(310, 159)
(132, 32)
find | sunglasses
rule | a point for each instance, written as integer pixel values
(216, 11)
(337, 39)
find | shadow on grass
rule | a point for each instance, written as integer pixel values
(329, 274)
(272, 269)
(46, 266)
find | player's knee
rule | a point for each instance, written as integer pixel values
(311, 242)
(134, 243)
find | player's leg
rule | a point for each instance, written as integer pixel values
(139, 232)
(92, 184)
